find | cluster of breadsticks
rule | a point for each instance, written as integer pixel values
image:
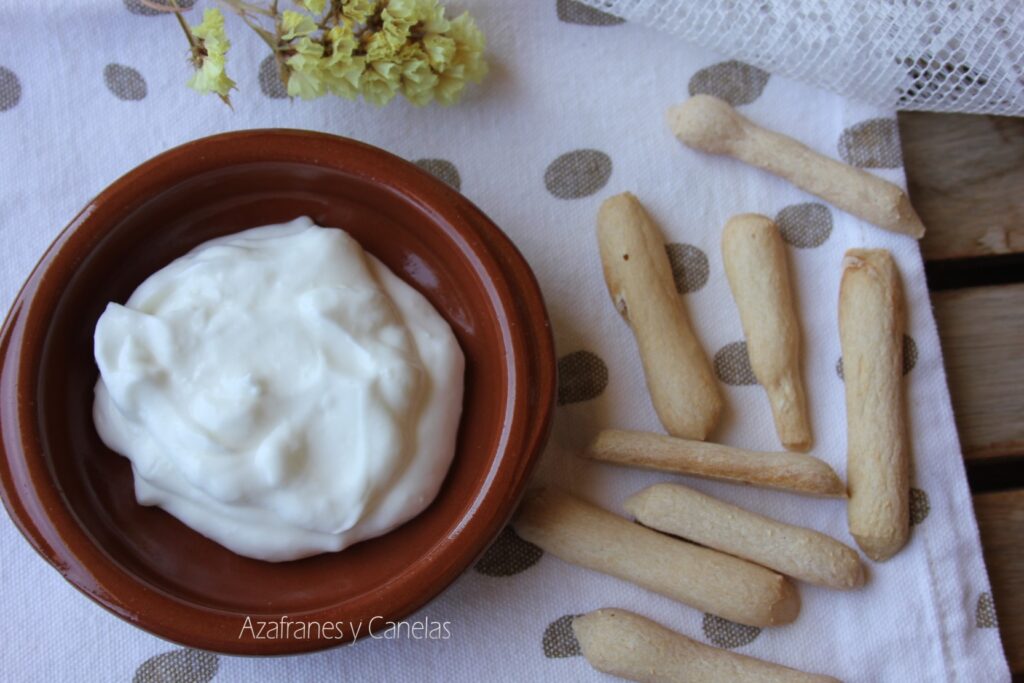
(691, 547)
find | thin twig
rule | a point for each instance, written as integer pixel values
(161, 7)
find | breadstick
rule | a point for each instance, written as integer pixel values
(710, 125)
(639, 279)
(711, 581)
(796, 472)
(791, 550)
(630, 646)
(755, 264)
(877, 459)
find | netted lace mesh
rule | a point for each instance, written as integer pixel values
(965, 56)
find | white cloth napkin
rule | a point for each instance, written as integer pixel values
(571, 113)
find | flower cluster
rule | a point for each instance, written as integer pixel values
(209, 50)
(373, 48)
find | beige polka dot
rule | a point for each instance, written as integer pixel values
(874, 143)
(178, 666)
(909, 356)
(728, 634)
(10, 89)
(575, 12)
(732, 365)
(125, 82)
(508, 555)
(559, 640)
(909, 353)
(735, 82)
(689, 266)
(582, 375)
(805, 225)
(579, 173)
(443, 170)
(137, 7)
(985, 612)
(271, 84)
(919, 506)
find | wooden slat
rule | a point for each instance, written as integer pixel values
(982, 331)
(966, 179)
(1001, 519)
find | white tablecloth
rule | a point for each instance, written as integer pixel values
(571, 113)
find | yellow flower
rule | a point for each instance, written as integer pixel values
(469, 50)
(313, 6)
(430, 15)
(401, 11)
(357, 11)
(296, 24)
(459, 62)
(439, 50)
(418, 80)
(397, 18)
(341, 71)
(304, 78)
(210, 54)
(342, 79)
(342, 41)
(380, 82)
(450, 85)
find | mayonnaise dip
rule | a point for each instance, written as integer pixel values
(280, 391)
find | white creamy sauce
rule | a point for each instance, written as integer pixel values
(280, 391)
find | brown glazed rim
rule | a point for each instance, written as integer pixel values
(36, 504)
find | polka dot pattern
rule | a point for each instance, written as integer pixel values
(137, 7)
(579, 173)
(443, 170)
(728, 634)
(559, 641)
(125, 82)
(985, 612)
(582, 375)
(735, 82)
(10, 89)
(805, 225)
(919, 506)
(508, 555)
(690, 267)
(270, 79)
(909, 353)
(575, 12)
(732, 365)
(178, 666)
(874, 143)
(909, 357)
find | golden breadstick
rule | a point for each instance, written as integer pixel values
(877, 459)
(711, 581)
(630, 646)
(791, 550)
(755, 264)
(639, 278)
(796, 472)
(711, 125)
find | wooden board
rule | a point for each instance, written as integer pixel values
(1001, 520)
(966, 180)
(982, 332)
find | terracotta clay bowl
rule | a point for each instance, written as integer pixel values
(73, 498)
